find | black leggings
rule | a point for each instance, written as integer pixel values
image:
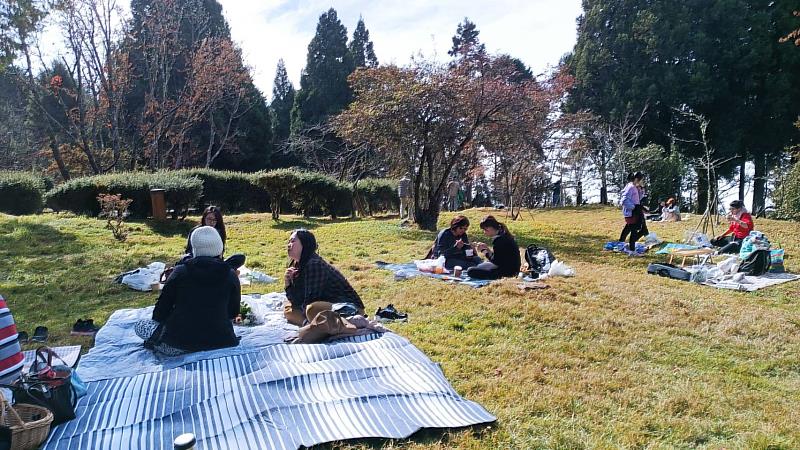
(728, 244)
(634, 229)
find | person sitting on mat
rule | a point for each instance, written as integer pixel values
(197, 304)
(503, 258)
(312, 285)
(741, 224)
(671, 212)
(453, 244)
(212, 217)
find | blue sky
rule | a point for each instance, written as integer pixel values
(538, 32)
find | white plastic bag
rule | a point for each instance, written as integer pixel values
(144, 278)
(729, 265)
(429, 265)
(651, 240)
(697, 238)
(559, 269)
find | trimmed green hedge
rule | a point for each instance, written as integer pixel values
(231, 191)
(80, 194)
(378, 195)
(787, 196)
(278, 191)
(21, 192)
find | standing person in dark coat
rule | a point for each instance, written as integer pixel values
(197, 304)
(503, 258)
(453, 244)
(312, 285)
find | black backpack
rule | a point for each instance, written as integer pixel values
(538, 259)
(757, 263)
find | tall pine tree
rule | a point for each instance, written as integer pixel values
(361, 47)
(323, 84)
(465, 41)
(282, 101)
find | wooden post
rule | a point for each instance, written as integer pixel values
(158, 204)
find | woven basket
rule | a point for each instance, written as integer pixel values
(29, 424)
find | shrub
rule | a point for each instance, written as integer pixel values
(231, 191)
(787, 196)
(114, 209)
(377, 195)
(80, 194)
(21, 192)
(278, 184)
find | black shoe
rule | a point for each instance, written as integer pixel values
(390, 314)
(84, 328)
(40, 334)
(23, 337)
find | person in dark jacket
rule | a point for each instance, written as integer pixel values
(197, 304)
(453, 244)
(312, 285)
(503, 258)
(212, 217)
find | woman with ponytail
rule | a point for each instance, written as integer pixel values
(503, 258)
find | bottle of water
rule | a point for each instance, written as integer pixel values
(185, 441)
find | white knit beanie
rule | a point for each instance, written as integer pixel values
(206, 242)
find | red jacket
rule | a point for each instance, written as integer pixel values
(741, 231)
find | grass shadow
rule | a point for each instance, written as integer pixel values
(20, 237)
(425, 436)
(168, 228)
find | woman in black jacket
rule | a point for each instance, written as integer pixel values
(198, 302)
(212, 217)
(503, 258)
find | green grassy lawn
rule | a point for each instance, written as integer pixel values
(612, 358)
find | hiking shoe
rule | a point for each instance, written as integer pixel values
(390, 314)
(84, 328)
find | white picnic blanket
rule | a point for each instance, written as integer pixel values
(751, 284)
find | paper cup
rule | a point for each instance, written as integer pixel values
(457, 271)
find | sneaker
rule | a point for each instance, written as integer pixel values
(84, 328)
(390, 314)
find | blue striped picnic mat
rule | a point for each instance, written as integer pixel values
(277, 397)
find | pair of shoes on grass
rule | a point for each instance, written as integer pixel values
(40, 334)
(84, 328)
(390, 314)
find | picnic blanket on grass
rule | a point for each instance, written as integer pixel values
(409, 270)
(752, 284)
(274, 396)
(118, 351)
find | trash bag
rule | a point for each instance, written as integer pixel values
(559, 269)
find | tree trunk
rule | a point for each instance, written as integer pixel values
(742, 179)
(579, 194)
(759, 184)
(702, 192)
(62, 168)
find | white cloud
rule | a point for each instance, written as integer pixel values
(538, 32)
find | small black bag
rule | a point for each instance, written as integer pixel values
(757, 263)
(49, 386)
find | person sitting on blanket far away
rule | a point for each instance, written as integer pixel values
(312, 285)
(741, 224)
(197, 304)
(212, 217)
(453, 244)
(503, 259)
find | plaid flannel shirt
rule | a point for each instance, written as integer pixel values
(320, 281)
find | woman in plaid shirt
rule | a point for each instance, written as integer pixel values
(311, 283)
